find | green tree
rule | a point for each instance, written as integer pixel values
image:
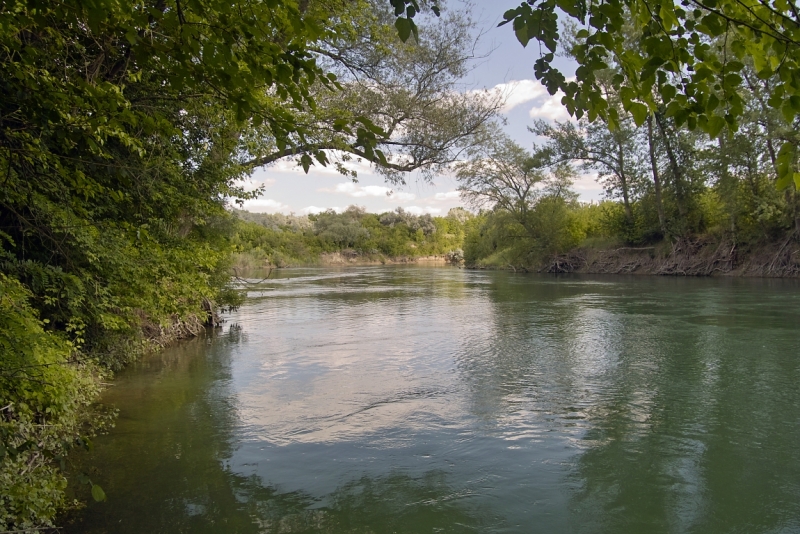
(343, 229)
(125, 127)
(529, 202)
(406, 95)
(612, 153)
(686, 57)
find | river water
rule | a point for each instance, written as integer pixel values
(410, 399)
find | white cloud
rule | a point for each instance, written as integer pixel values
(357, 191)
(417, 210)
(450, 195)
(262, 205)
(316, 209)
(551, 108)
(518, 92)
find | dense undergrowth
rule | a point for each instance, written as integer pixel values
(571, 233)
(114, 234)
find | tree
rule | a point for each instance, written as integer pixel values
(687, 57)
(343, 229)
(125, 127)
(612, 153)
(413, 222)
(406, 94)
(504, 177)
(500, 174)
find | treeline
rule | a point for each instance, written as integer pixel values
(262, 240)
(665, 181)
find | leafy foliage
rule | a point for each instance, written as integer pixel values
(45, 391)
(530, 201)
(301, 240)
(126, 126)
(405, 95)
(686, 58)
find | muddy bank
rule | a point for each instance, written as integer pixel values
(685, 257)
(345, 258)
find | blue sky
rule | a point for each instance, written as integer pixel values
(508, 67)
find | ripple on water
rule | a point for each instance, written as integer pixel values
(426, 400)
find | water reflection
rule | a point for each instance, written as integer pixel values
(173, 464)
(428, 400)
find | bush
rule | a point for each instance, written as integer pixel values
(44, 392)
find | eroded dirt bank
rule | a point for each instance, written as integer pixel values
(345, 258)
(685, 257)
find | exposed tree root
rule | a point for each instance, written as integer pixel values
(686, 257)
(159, 336)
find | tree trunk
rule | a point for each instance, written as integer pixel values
(728, 185)
(623, 179)
(656, 178)
(676, 169)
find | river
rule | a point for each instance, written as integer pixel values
(412, 399)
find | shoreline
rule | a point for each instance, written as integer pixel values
(685, 257)
(337, 258)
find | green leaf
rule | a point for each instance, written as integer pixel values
(306, 162)
(783, 181)
(715, 125)
(98, 494)
(403, 26)
(521, 31)
(627, 94)
(639, 112)
(788, 112)
(668, 92)
(511, 14)
(713, 102)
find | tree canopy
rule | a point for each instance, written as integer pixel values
(685, 57)
(409, 92)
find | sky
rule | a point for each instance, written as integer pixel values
(508, 67)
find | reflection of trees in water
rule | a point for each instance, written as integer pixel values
(679, 416)
(684, 403)
(715, 453)
(542, 349)
(165, 467)
(394, 503)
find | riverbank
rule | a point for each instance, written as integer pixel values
(344, 258)
(251, 262)
(684, 257)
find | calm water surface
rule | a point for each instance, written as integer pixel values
(408, 399)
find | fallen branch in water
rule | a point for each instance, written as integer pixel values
(243, 281)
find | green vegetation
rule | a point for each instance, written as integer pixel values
(692, 61)
(281, 240)
(125, 127)
(664, 181)
(663, 185)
